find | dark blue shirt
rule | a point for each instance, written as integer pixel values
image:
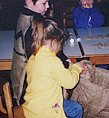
(87, 17)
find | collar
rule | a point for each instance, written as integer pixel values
(29, 12)
(47, 50)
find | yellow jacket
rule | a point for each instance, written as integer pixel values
(46, 76)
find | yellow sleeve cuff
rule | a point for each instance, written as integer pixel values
(75, 67)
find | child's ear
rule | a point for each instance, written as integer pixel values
(53, 43)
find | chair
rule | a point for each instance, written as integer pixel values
(10, 111)
(8, 99)
(67, 8)
(67, 19)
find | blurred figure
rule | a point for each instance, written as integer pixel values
(103, 6)
(87, 15)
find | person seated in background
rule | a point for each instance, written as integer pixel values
(87, 15)
(46, 75)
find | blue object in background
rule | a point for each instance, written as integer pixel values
(87, 17)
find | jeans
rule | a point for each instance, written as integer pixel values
(104, 66)
(73, 109)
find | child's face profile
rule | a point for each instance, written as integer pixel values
(87, 3)
(41, 6)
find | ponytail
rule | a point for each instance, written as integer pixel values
(43, 30)
(38, 33)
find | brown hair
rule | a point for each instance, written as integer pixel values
(24, 2)
(34, 1)
(45, 29)
(38, 32)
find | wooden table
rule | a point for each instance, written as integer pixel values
(95, 45)
(6, 52)
(95, 59)
(5, 64)
(6, 49)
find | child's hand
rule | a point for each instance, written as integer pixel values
(83, 65)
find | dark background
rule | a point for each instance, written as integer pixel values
(9, 12)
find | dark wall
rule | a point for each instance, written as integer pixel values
(104, 8)
(9, 13)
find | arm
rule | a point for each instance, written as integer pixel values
(80, 18)
(67, 78)
(97, 19)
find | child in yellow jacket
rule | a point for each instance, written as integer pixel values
(46, 75)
